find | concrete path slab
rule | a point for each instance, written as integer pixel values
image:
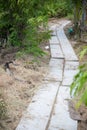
(54, 40)
(59, 63)
(56, 52)
(54, 74)
(71, 65)
(66, 46)
(63, 23)
(68, 77)
(61, 119)
(38, 112)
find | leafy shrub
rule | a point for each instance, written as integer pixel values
(79, 85)
(20, 20)
(56, 8)
(13, 38)
(37, 33)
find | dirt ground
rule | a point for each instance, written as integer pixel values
(18, 85)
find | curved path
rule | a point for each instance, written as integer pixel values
(49, 108)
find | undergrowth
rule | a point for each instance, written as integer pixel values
(79, 85)
(24, 23)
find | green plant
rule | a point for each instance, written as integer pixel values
(13, 38)
(23, 23)
(14, 16)
(83, 52)
(79, 85)
(56, 8)
(37, 33)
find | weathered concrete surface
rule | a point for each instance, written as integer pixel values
(66, 46)
(63, 23)
(54, 40)
(56, 51)
(61, 119)
(68, 77)
(38, 112)
(59, 63)
(54, 74)
(71, 65)
(55, 71)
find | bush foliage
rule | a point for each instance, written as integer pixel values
(20, 20)
(79, 85)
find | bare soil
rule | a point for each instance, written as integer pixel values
(18, 86)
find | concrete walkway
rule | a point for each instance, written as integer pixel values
(49, 108)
